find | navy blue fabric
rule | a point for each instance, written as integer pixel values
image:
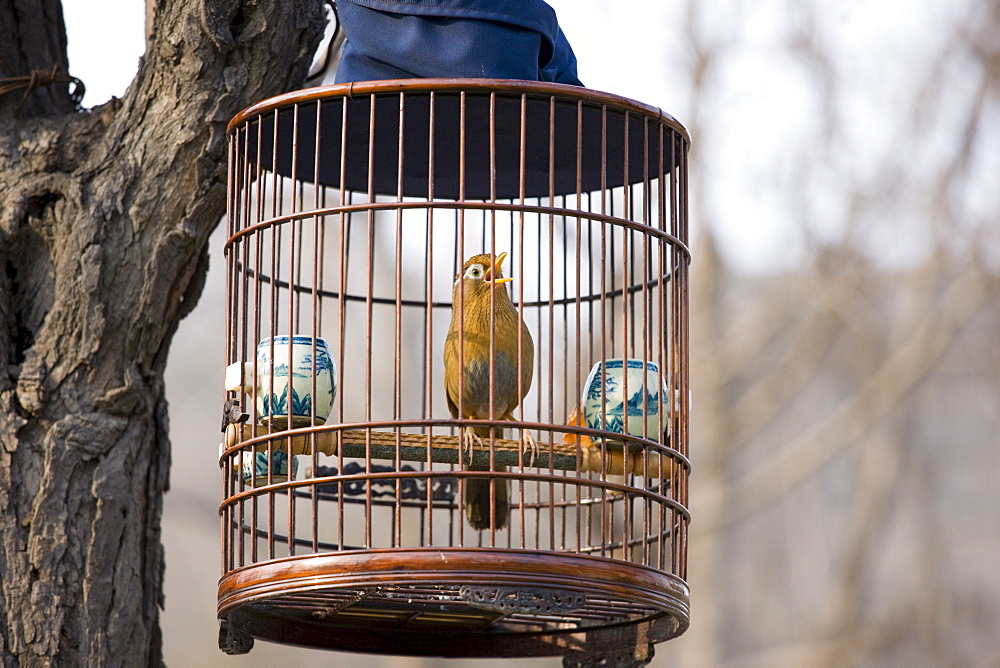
(491, 39)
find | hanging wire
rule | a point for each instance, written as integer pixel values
(40, 78)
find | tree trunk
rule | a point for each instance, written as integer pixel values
(104, 221)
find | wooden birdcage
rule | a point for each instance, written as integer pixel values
(351, 210)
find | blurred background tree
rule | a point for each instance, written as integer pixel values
(846, 371)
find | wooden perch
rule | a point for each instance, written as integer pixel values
(444, 449)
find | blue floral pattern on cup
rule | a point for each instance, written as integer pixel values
(605, 389)
(279, 467)
(273, 400)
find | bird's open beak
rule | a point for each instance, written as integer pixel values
(496, 269)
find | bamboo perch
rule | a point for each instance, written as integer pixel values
(357, 443)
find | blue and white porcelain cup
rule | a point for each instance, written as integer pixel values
(255, 465)
(606, 406)
(286, 370)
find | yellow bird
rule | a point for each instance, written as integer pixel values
(481, 310)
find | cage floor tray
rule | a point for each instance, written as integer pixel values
(452, 602)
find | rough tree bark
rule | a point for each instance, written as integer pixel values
(104, 221)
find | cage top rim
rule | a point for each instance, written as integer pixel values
(478, 86)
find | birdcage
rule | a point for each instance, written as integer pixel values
(352, 210)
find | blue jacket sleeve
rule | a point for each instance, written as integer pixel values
(493, 39)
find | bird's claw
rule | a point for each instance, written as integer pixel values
(529, 445)
(470, 439)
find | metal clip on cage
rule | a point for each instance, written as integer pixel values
(351, 211)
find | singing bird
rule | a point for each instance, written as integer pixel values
(481, 305)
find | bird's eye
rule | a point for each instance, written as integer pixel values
(475, 271)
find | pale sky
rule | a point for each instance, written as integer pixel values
(761, 100)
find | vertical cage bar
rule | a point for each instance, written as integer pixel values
(370, 275)
(315, 312)
(341, 308)
(459, 260)
(397, 367)
(429, 352)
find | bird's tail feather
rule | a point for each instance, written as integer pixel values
(477, 500)
(477, 494)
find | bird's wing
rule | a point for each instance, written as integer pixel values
(528, 360)
(450, 374)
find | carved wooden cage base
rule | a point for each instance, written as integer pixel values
(343, 515)
(452, 602)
